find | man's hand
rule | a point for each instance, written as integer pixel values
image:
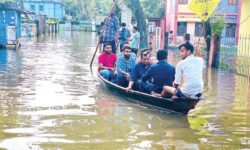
(128, 88)
(198, 52)
(113, 69)
(128, 76)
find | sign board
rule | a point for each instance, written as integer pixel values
(203, 8)
(11, 35)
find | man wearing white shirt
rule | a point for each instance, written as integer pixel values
(189, 69)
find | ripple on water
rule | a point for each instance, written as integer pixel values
(30, 142)
(73, 112)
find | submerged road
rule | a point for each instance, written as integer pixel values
(50, 100)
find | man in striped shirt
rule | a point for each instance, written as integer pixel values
(111, 30)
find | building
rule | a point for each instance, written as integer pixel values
(181, 20)
(51, 8)
(10, 23)
(243, 52)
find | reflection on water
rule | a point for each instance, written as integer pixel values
(50, 100)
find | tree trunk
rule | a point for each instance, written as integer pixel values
(214, 58)
(207, 38)
(141, 21)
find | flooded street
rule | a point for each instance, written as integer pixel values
(50, 100)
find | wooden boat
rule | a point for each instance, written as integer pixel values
(178, 105)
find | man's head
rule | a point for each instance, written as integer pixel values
(135, 29)
(186, 49)
(127, 51)
(162, 54)
(107, 48)
(125, 44)
(102, 24)
(123, 25)
(145, 57)
(112, 12)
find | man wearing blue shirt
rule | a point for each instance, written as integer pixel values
(135, 44)
(162, 74)
(138, 71)
(124, 65)
(124, 35)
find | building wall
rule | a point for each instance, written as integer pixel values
(245, 20)
(9, 17)
(3, 40)
(171, 17)
(53, 9)
(243, 46)
(183, 14)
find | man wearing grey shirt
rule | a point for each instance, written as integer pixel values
(189, 69)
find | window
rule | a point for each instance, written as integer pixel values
(198, 29)
(181, 28)
(230, 30)
(41, 8)
(183, 1)
(32, 7)
(232, 2)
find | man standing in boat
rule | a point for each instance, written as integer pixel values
(135, 41)
(124, 65)
(124, 35)
(138, 71)
(111, 30)
(190, 69)
(162, 74)
(107, 62)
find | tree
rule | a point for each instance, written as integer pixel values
(154, 8)
(137, 9)
(217, 25)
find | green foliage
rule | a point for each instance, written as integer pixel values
(153, 8)
(52, 21)
(80, 9)
(217, 24)
(87, 9)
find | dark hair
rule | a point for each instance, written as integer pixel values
(107, 44)
(145, 52)
(135, 27)
(126, 47)
(102, 23)
(123, 24)
(162, 54)
(188, 46)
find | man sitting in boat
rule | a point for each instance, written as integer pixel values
(189, 69)
(162, 74)
(138, 71)
(124, 65)
(107, 62)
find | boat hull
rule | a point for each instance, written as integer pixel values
(179, 105)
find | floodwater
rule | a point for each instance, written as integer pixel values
(50, 100)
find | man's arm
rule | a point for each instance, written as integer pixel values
(178, 74)
(198, 52)
(147, 75)
(130, 84)
(101, 66)
(117, 35)
(138, 40)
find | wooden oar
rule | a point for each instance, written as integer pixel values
(97, 46)
(104, 28)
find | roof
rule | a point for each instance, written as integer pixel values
(14, 7)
